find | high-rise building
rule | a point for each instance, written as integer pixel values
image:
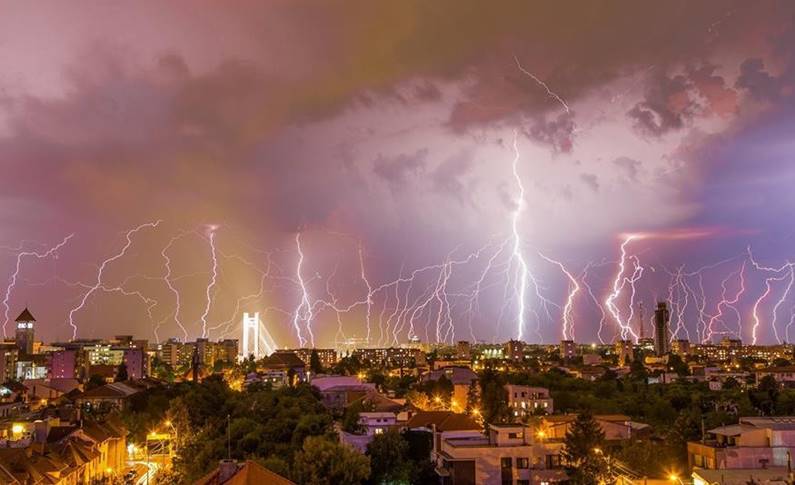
(463, 350)
(514, 350)
(681, 347)
(63, 364)
(568, 349)
(25, 333)
(661, 318)
(8, 361)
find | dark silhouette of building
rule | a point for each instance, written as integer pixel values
(661, 318)
(24, 332)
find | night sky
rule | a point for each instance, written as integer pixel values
(389, 144)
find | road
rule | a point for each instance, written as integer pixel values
(148, 477)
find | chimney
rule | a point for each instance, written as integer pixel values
(226, 470)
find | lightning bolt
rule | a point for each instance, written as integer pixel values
(304, 310)
(369, 291)
(603, 318)
(213, 279)
(567, 329)
(12, 281)
(619, 283)
(98, 284)
(768, 289)
(170, 284)
(542, 84)
(517, 240)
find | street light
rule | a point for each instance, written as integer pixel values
(175, 441)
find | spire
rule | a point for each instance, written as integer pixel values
(25, 316)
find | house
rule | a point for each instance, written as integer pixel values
(506, 453)
(108, 397)
(527, 400)
(744, 476)
(283, 368)
(49, 389)
(616, 427)
(338, 392)
(65, 454)
(230, 472)
(755, 442)
(442, 425)
(461, 378)
(785, 375)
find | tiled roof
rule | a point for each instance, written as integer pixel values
(248, 473)
(443, 420)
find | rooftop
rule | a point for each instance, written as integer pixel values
(25, 316)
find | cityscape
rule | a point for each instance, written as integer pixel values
(367, 242)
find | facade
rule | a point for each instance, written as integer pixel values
(391, 357)
(327, 357)
(32, 367)
(681, 347)
(463, 350)
(568, 349)
(8, 361)
(514, 350)
(504, 454)
(661, 319)
(63, 364)
(755, 442)
(526, 400)
(783, 375)
(616, 427)
(24, 335)
(175, 353)
(490, 352)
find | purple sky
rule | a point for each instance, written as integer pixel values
(385, 135)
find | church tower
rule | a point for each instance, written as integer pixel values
(25, 332)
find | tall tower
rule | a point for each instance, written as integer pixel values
(250, 335)
(24, 332)
(661, 318)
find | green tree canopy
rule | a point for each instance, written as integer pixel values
(322, 461)
(389, 462)
(583, 451)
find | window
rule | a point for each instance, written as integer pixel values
(514, 436)
(522, 463)
(379, 431)
(506, 462)
(523, 482)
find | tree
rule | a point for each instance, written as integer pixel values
(676, 364)
(321, 461)
(493, 398)
(388, 458)
(583, 451)
(637, 370)
(121, 373)
(350, 417)
(314, 363)
(473, 397)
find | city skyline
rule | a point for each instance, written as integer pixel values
(452, 182)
